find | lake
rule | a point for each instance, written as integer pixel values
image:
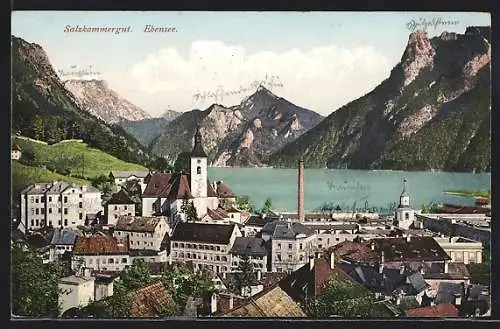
(344, 187)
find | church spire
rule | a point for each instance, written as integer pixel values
(198, 151)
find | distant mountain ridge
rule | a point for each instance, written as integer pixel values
(241, 135)
(433, 112)
(97, 98)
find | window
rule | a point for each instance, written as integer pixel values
(80, 205)
(130, 214)
(42, 199)
(65, 222)
(80, 215)
(59, 210)
(111, 261)
(80, 196)
(124, 260)
(50, 223)
(289, 246)
(198, 170)
(32, 211)
(300, 246)
(59, 222)
(116, 216)
(32, 199)
(279, 245)
(279, 269)
(320, 246)
(151, 259)
(50, 199)
(36, 211)
(90, 261)
(36, 200)
(289, 256)
(65, 199)
(65, 211)
(32, 222)
(407, 216)
(337, 239)
(175, 244)
(37, 223)
(125, 207)
(50, 210)
(278, 257)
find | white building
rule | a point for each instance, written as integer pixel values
(291, 245)
(75, 291)
(405, 215)
(58, 204)
(15, 152)
(62, 242)
(461, 250)
(205, 245)
(120, 204)
(144, 233)
(121, 177)
(165, 192)
(101, 253)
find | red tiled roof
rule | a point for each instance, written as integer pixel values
(180, 187)
(147, 301)
(157, 183)
(223, 191)
(356, 252)
(440, 310)
(98, 244)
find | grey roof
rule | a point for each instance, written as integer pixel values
(75, 280)
(416, 280)
(63, 237)
(446, 291)
(58, 187)
(249, 246)
(126, 174)
(38, 188)
(285, 230)
(256, 220)
(334, 227)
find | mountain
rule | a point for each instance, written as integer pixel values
(241, 135)
(97, 98)
(146, 130)
(43, 109)
(432, 112)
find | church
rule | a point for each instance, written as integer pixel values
(404, 215)
(165, 192)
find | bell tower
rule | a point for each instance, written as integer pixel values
(198, 168)
(405, 216)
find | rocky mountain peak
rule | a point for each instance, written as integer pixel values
(418, 54)
(97, 98)
(33, 54)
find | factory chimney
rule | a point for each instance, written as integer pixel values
(300, 192)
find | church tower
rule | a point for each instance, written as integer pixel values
(405, 216)
(198, 168)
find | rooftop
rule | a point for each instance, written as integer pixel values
(127, 174)
(138, 223)
(63, 236)
(148, 301)
(286, 230)
(75, 280)
(440, 310)
(203, 233)
(408, 249)
(99, 245)
(356, 252)
(120, 197)
(249, 246)
(257, 220)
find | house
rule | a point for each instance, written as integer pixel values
(75, 291)
(15, 152)
(272, 302)
(103, 286)
(120, 204)
(121, 177)
(100, 252)
(62, 242)
(461, 249)
(205, 245)
(164, 193)
(255, 223)
(436, 311)
(58, 204)
(144, 233)
(253, 248)
(291, 245)
(227, 283)
(308, 281)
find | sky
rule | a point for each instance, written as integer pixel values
(316, 60)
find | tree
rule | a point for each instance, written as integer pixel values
(188, 209)
(268, 204)
(37, 126)
(120, 304)
(243, 203)
(136, 276)
(133, 189)
(183, 162)
(244, 277)
(344, 299)
(160, 164)
(35, 286)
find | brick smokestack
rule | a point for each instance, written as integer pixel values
(300, 196)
